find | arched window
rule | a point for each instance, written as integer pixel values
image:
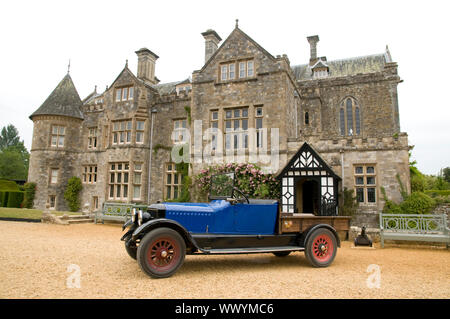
(306, 118)
(349, 117)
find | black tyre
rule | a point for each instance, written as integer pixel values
(281, 253)
(161, 252)
(132, 251)
(321, 248)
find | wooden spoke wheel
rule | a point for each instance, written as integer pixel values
(161, 252)
(321, 248)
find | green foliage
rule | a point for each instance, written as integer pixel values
(71, 195)
(9, 136)
(11, 198)
(6, 185)
(14, 157)
(437, 192)
(30, 191)
(249, 179)
(418, 203)
(15, 199)
(349, 204)
(390, 207)
(446, 174)
(188, 112)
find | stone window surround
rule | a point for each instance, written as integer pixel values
(242, 69)
(140, 131)
(92, 137)
(52, 199)
(120, 131)
(172, 182)
(128, 90)
(53, 180)
(364, 185)
(137, 182)
(241, 137)
(118, 180)
(180, 125)
(221, 118)
(89, 174)
(57, 135)
(344, 117)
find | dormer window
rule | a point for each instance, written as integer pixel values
(124, 93)
(319, 74)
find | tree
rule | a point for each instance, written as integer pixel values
(14, 157)
(9, 136)
(446, 174)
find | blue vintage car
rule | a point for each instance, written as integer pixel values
(230, 223)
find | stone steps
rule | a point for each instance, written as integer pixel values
(78, 219)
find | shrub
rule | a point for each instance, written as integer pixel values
(30, 191)
(6, 185)
(3, 198)
(249, 179)
(350, 204)
(15, 199)
(389, 206)
(438, 192)
(71, 195)
(418, 203)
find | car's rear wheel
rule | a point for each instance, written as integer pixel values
(321, 248)
(281, 253)
(161, 252)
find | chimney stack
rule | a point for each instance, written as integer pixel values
(146, 65)
(212, 40)
(313, 48)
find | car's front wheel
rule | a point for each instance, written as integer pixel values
(161, 252)
(131, 250)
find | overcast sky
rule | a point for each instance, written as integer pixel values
(39, 37)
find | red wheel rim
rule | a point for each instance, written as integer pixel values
(163, 254)
(322, 248)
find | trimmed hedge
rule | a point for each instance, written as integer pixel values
(11, 199)
(6, 185)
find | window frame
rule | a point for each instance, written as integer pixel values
(365, 187)
(58, 135)
(119, 185)
(234, 134)
(350, 113)
(170, 170)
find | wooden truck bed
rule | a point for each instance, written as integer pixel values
(292, 223)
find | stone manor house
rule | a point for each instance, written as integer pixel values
(337, 126)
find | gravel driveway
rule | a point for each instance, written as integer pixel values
(35, 262)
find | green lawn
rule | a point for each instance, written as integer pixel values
(27, 213)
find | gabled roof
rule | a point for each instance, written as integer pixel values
(64, 101)
(242, 33)
(346, 67)
(306, 159)
(168, 88)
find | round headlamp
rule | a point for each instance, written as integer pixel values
(133, 215)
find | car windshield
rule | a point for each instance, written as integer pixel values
(222, 185)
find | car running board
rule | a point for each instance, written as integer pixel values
(248, 250)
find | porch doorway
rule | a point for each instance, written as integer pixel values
(308, 196)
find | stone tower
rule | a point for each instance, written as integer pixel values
(56, 144)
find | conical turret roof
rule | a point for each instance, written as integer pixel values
(64, 100)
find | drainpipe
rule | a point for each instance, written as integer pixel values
(342, 167)
(153, 112)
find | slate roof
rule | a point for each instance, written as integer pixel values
(168, 88)
(345, 67)
(64, 100)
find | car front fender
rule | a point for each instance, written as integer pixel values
(143, 229)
